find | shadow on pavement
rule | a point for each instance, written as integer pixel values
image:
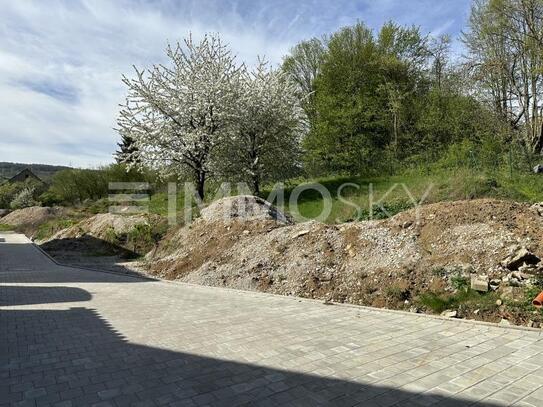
(38, 268)
(47, 356)
(88, 245)
(27, 295)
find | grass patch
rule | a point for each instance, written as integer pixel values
(49, 228)
(5, 228)
(351, 197)
(438, 303)
(143, 238)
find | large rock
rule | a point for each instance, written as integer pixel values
(521, 257)
(243, 207)
(479, 283)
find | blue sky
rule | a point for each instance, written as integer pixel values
(61, 61)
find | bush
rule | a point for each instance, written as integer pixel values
(48, 198)
(71, 186)
(143, 238)
(24, 198)
(79, 185)
(7, 193)
(459, 282)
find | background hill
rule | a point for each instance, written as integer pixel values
(44, 171)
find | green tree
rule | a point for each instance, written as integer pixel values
(127, 152)
(505, 44)
(363, 98)
(303, 66)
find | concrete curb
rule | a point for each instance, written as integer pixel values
(366, 308)
(138, 277)
(300, 299)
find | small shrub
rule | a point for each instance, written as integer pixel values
(110, 236)
(398, 291)
(459, 282)
(385, 210)
(24, 198)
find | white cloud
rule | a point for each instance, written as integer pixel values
(61, 61)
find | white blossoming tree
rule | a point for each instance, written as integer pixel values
(177, 115)
(266, 143)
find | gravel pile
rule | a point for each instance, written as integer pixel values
(379, 263)
(245, 207)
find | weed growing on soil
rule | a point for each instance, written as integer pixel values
(49, 228)
(143, 237)
(110, 236)
(525, 304)
(397, 291)
(468, 299)
(439, 271)
(459, 282)
(5, 228)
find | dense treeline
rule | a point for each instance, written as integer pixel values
(356, 102)
(373, 102)
(375, 99)
(378, 101)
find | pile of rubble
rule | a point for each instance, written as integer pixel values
(494, 245)
(521, 268)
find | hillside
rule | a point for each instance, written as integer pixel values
(44, 171)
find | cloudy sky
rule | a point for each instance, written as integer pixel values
(61, 61)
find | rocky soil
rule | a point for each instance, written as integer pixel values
(492, 246)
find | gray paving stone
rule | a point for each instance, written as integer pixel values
(73, 337)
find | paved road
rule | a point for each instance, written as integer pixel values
(76, 337)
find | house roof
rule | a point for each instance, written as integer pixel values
(23, 176)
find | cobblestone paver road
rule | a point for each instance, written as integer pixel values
(71, 337)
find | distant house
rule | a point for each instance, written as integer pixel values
(24, 175)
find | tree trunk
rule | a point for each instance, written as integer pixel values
(200, 184)
(538, 142)
(256, 185)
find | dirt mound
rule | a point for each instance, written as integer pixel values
(474, 232)
(244, 207)
(380, 263)
(103, 226)
(27, 220)
(107, 234)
